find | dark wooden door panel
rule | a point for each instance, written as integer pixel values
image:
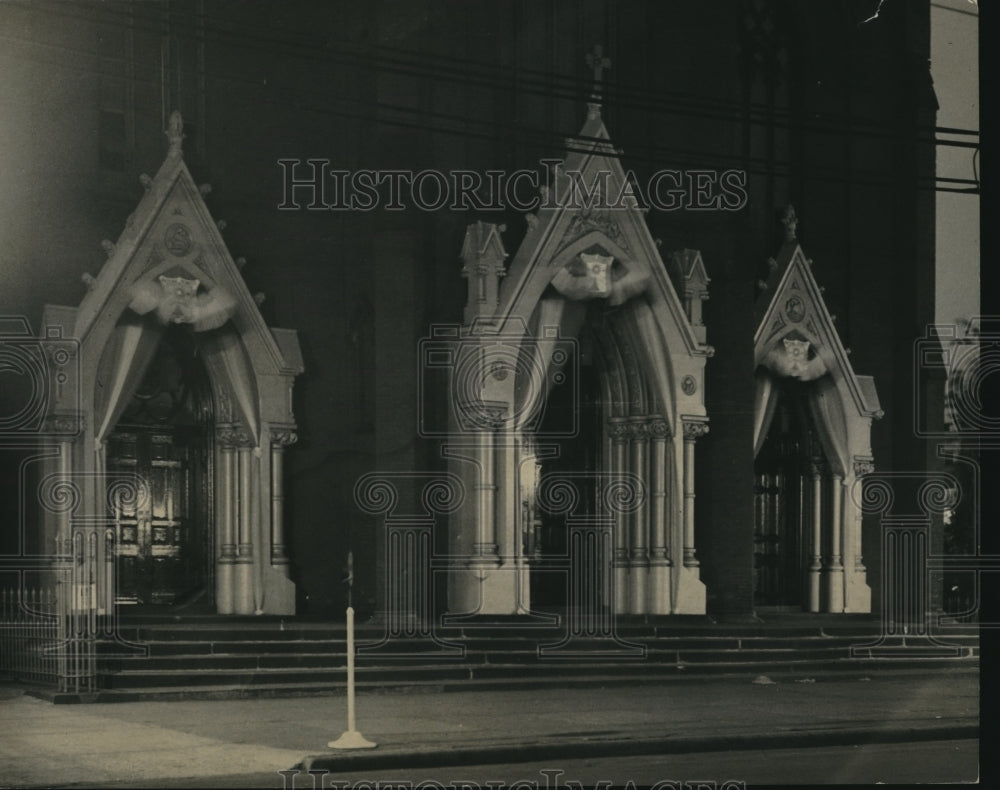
(158, 555)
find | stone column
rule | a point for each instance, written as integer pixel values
(658, 600)
(816, 532)
(234, 580)
(243, 569)
(227, 439)
(639, 559)
(862, 467)
(835, 569)
(618, 429)
(692, 431)
(486, 550)
(279, 440)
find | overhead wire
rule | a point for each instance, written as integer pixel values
(654, 154)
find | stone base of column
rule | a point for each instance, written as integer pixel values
(487, 589)
(243, 586)
(638, 579)
(813, 591)
(691, 594)
(658, 588)
(224, 599)
(834, 589)
(279, 560)
(279, 591)
(621, 571)
(858, 595)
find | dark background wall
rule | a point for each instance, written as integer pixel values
(819, 110)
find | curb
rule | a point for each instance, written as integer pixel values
(519, 752)
(339, 689)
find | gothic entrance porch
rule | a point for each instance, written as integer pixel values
(576, 399)
(812, 447)
(178, 413)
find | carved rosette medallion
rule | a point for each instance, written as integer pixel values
(795, 309)
(689, 386)
(177, 239)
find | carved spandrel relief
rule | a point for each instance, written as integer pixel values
(589, 220)
(777, 325)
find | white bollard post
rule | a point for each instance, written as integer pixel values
(351, 739)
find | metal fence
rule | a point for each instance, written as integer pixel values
(47, 638)
(29, 635)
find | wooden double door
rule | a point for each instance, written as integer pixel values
(159, 493)
(783, 502)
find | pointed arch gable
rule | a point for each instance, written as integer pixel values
(170, 265)
(795, 312)
(583, 270)
(796, 339)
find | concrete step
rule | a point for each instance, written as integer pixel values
(271, 653)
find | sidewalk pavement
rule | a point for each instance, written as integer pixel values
(47, 745)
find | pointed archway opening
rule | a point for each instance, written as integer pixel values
(162, 441)
(576, 455)
(784, 501)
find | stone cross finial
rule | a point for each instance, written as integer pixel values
(598, 63)
(175, 133)
(790, 221)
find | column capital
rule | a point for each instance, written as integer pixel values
(64, 426)
(618, 429)
(863, 466)
(482, 416)
(694, 429)
(283, 437)
(233, 436)
(659, 428)
(818, 467)
(638, 429)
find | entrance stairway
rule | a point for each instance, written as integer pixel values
(224, 657)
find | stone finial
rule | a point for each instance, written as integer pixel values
(146, 181)
(241, 262)
(175, 134)
(220, 224)
(598, 63)
(204, 190)
(259, 298)
(88, 280)
(108, 247)
(790, 221)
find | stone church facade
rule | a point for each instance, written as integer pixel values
(678, 372)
